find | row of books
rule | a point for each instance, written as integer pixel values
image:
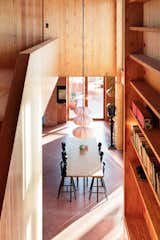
(150, 163)
(143, 114)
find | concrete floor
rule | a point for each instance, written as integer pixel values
(81, 219)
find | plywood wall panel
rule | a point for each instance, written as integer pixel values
(55, 112)
(20, 28)
(100, 37)
(66, 24)
(7, 34)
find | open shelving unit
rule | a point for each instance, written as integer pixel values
(151, 137)
(142, 74)
(146, 61)
(148, 179)
(149, 201)
(149, 95)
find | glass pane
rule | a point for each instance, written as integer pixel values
(75, 94)
(96, 97)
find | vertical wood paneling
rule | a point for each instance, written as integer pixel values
(66, 24)
(28, 14)
(20, 28)
(152, 40)
(57, 116)
(100, 37)
(152, 19)
(7, 34)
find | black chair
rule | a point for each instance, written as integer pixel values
(101, 154)
(71, 185)
(98, 185)
(63, 145)
(64, 156)
(99, 147)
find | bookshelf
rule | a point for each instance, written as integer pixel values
(144, 169)
(149, 95)
(151, 137)
(149, 201)
(146, 61)
(142, 74)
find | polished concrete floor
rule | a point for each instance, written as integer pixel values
(81, 219)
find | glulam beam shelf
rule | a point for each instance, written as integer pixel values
(144, 29)
(146, 61)
(138, 1)
(151, 206)
(148, 94)
(152, 136)
(133, 224)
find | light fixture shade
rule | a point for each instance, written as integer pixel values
(83, 132)
(83, 120)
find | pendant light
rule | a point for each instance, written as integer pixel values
(82, 119)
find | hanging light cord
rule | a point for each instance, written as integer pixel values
(83, 72)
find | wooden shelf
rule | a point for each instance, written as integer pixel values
(149, 201)
(148, 94)
(146, 61)
(144, 29)
(136, 228)
(149, 181)
(152, 136)
(138, 1)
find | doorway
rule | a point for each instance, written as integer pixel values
(92, 89)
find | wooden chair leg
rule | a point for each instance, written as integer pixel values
(60, 186)
(90, 190)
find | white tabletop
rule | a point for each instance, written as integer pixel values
(84, 163)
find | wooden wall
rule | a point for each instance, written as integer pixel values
(55, 112)
(20, 28)
(21, 216)
(64, 19)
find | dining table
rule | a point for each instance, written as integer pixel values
(83, 158)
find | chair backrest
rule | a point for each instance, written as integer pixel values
(63, 145)
(99, 146)
(64, 156)
(63, 168)
(104, 167)
(101, 155)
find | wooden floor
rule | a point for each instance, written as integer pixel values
(82, 219)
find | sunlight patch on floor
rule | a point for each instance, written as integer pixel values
(107, 212)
